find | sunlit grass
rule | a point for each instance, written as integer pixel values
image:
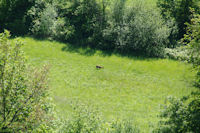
(127, 88)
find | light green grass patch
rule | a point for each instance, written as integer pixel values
(127, 88)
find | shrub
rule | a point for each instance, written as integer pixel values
(123, 127)
(114, 25)
(179, 53)
(86, 119)
(192, 38)
(85, 16)
(62, 31)
(44, 16)
(181, 115)
(179, 10)
(24, 96)
(13, 15)
(139, 29)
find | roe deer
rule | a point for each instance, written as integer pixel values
(99, 67)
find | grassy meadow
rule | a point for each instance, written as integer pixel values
(127, 88)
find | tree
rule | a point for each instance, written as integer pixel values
(192, 39)
(86, 18)
(183, 115)
(23, 92)
(178, 10)
(13, 15)
(44, 17)
(136, 29)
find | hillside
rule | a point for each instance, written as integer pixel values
(127, 87)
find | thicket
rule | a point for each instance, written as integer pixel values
(183, 115)
(24, 95)
(135, 28)
(87, 119)
(44, 16)
(177, 12)
(107, 25)
(13, 16)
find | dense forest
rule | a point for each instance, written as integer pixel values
(162, 29)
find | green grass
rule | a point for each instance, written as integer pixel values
(132, 88)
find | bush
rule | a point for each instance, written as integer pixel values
(13, 15)
(181, 53)
(181, 115)
(123, 127)
(44, 16)
(86, 119)
(24, 96)
(62, 31)
(179, 10)
(139, 29)
(198, 77)
(192, 38)
(86, 18)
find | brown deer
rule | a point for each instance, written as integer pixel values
(99, 67)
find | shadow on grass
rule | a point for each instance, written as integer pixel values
(90, 51)
(85, 50)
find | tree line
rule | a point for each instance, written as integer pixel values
(122, 25)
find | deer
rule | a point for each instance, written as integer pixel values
(99, 67)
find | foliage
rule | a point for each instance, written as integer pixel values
(83, 120)
(125, 126)
(86, 18)
(13, 15)
(192, 38)
(137, 29)
(181, 115)
(62, 30)
(198, 77)
(90, 23)
(181, 53)
(114, 26)
(107, 25)
(24, 97)
(179, 10)
(86, 119)
(43, 16)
